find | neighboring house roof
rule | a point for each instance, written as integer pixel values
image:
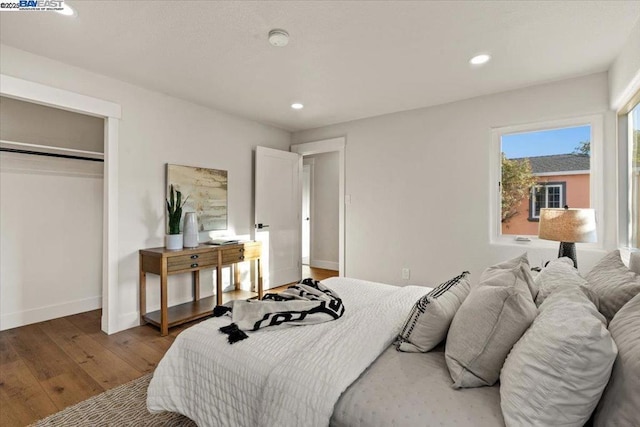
(558, 163)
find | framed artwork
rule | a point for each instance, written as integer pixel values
(207, 192)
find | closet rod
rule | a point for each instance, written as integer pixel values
(39, 153)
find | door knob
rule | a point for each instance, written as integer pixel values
(261, 226)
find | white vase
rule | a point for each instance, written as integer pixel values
(190, 230)
(173, 241)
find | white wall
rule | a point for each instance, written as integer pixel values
(624, 74)
(157, 129)
(50, 238)
(324, 215)
(30, 123)
(419, 181)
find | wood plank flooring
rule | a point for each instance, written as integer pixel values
(50, 365)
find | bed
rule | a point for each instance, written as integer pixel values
(286, 377)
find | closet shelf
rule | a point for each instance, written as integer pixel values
(50, 151)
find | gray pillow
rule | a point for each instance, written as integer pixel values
(561, 274)
(431, 316)
(490, 321)
(513, 263)
(614, 284)
(620, 403)
(555, 373)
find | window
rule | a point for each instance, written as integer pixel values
(633, 136)
(549, 195)
(545, 165)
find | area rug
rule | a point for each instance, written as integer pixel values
(125, 405)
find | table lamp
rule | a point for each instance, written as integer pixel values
(568, 226)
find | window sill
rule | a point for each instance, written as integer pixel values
(537, 243)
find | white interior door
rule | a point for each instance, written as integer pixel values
(277, 212)
(306, 212)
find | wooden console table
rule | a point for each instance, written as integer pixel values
(165, 262)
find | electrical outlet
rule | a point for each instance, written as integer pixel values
(406, 273)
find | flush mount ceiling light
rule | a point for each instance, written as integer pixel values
(297, 106)
(278, 38)
(480, 59)
(66, 10)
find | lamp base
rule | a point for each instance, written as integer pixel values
(568, 249)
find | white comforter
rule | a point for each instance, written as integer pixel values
(287, 377)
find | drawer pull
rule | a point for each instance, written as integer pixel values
(241, 257)
(194, 265)
(241, 249)
(194, 256)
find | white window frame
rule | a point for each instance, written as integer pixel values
(626, 214)
(596, 186)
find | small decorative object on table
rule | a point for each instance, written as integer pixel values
(190, 230)
(173, 240)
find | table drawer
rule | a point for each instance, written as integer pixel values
(247, 252)
(185, 262)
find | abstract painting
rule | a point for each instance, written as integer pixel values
(207, 192)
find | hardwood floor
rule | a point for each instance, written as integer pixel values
(50, 365)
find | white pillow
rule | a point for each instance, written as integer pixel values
(556, 372)
(431, 316)
(559, 273)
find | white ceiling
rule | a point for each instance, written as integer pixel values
(345, 60)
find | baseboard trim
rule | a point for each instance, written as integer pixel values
(35, 315)
(128, 321)
(327, 265)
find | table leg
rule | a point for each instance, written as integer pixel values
(164, 309)
(260, 290)
(196, 285)
(143, 293)
(219, 279)
(236, 276)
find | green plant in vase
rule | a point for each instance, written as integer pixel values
(174, 211)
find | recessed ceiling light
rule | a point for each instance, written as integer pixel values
(278, 38)
(480, 59)
(66, 10)
(297, 106)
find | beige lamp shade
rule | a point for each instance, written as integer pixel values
(568, 225)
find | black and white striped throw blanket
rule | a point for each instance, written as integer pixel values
(306, 303)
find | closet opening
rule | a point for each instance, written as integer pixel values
(51, 224)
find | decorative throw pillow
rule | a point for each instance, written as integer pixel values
(557, 371)
(558, 274)
(620, 403)
(489, 322)
(431, 316)
(513, 263)
(614, 284)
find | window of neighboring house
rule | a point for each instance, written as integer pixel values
(546, 165)
(548, 195)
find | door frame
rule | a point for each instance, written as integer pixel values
(309, 162)
(327, 146)
(37, 93)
